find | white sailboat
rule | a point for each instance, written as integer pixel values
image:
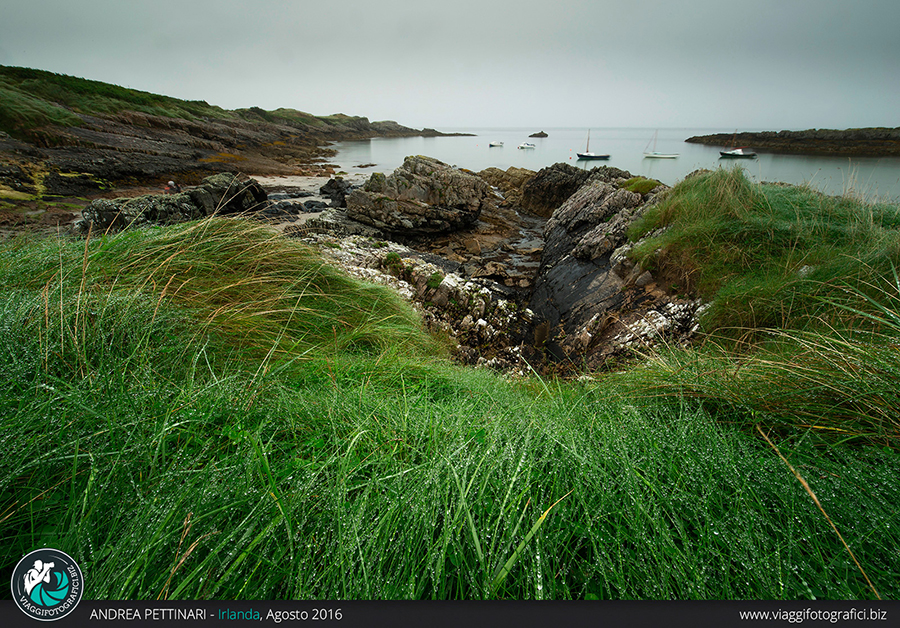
(587, 154)
(653, 154)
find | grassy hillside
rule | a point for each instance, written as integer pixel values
(771, 256)
(208, 411)
(31, 99)
(804, 294)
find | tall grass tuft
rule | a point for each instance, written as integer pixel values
(259, 291)
(840, 382)
(767, 255)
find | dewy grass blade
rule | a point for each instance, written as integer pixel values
(819, 505)
(495, 584)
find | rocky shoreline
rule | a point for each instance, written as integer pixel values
(521, 270)
(865, 142)
(46, 180)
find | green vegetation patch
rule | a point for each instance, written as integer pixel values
(21, 112)
(769, 256)
(96, 97)
(434, 281)
(641, 185)
(14, 195)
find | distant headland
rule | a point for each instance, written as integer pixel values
(84, 136)
(865, 142)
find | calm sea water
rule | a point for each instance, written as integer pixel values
(875, 179)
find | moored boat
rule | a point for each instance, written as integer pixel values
(495, 144)
(587, 154)
(526, 145)
(654, 154)
(738, 153)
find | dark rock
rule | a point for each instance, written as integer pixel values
(225, 194)
(288, 207)
(218, 194)
(550, 188)
(538, 134)
(72, 184)
(13, 177)
(315, 206)
(572, 288)
(424, 196)
(336, 189)
(553, 185)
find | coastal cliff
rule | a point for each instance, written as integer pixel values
(867, 142)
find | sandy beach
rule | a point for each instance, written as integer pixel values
(292, 184)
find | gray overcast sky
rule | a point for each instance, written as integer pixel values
(774, 64)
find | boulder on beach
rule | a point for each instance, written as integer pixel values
(219, 194)
(336, 190)
(422, 197)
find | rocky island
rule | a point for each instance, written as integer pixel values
(865, 142)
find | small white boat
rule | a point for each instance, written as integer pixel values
(526, 145)
(587, 154)
(654, 154)
(495, 144)
(737, 153)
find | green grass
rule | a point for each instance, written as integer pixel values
(208, 411)
(31, 99)
(641, 185)
(769, 256)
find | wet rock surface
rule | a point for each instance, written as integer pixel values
(221, 194)
(422, 197)
(590, 301)
(572, 297)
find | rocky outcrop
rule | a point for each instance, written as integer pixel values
(510, 182)
(867, 142)
(559, 294)
(590, 301)
(570, 287)
(219, 194)
(553, 185)
(422, 197)
(539, 134)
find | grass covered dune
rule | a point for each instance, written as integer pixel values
(209, 411)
